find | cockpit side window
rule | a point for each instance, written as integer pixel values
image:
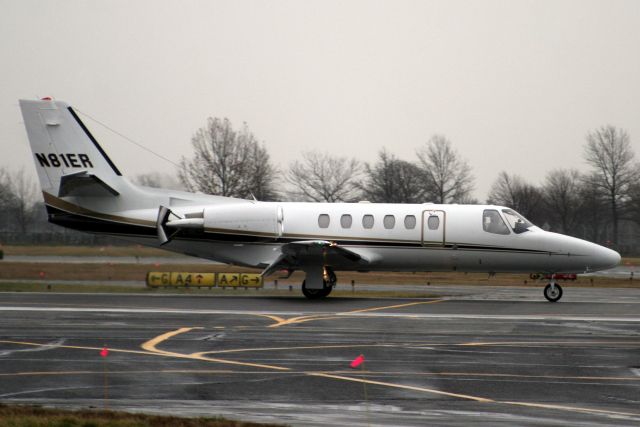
(492, 222)
(517, 222)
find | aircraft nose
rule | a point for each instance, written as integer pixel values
(604, 258)
(610, 258)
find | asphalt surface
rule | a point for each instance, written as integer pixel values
(501, 359)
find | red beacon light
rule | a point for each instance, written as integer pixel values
(46, 98)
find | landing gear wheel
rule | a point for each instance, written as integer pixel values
(316, 293)
(330, 277)
(553, 293)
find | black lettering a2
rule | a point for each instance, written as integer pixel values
(85, 160)
(53, 159)
(64, 159)
(42, 159)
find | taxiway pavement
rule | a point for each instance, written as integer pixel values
(445, 361)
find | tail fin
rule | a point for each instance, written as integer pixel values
(69, 160)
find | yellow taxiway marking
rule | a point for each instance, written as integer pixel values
(151, 346)
(312, 317)
(365, 310)
(152, 343)
(300, 319)
(276, 319)
(402, 386)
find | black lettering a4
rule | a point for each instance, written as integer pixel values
(42, 159)
(53, 159)
(73, 160)
(85, 161)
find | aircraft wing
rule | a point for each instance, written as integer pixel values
(291, 252)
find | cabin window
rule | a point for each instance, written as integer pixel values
(389, 221)
(345, 221)
(409, 222)
(433, 222)
(323, 221)
(492, 222)
(367, 221)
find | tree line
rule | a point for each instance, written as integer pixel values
(232, 162)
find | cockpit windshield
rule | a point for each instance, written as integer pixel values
(493, 223)
(517, 222)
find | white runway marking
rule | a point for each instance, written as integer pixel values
(536, 317)
(49, 346)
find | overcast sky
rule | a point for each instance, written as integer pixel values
(515, 85)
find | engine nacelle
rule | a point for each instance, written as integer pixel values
(261, 219)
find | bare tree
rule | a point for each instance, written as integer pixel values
(228, 163)
(5, 188)
(158, 180)
(17, 198)
(450, 176)
(392, 180)
(320, 177)
(595, 214)
(512, 191)
(608, 150)
(562, 197)
(634, 203)
(6, 200)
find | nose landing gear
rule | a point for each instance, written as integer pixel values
(553, 291)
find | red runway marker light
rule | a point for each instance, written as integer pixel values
(104, 352)
(357, 361)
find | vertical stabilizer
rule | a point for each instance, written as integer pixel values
(68, 158)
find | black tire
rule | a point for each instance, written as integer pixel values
(331, 277)
(316, 293)
(553, 296)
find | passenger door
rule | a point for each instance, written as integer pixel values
(433, 227)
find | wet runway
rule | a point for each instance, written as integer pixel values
(444, 361)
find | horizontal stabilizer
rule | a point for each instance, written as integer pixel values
(84, 184)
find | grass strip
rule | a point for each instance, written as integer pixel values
(36, 416)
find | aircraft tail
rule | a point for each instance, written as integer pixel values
(69, 160)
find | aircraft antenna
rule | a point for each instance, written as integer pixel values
(126, 138)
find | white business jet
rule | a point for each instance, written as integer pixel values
(84, 190)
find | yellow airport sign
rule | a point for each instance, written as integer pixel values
(251, 280)
(193, 279)
(155, 279)
(228, 279)
(186, 279)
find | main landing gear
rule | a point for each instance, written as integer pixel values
(329, 281)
